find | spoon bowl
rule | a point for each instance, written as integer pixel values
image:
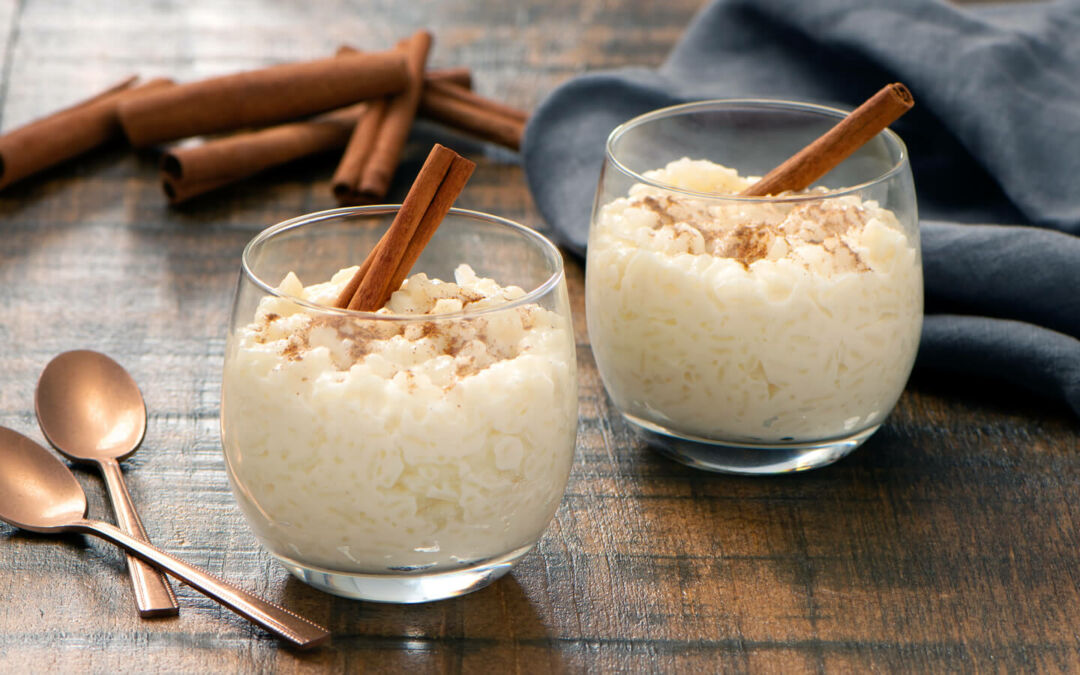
(89, 407)
(39, 493)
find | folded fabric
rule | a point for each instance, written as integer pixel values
(1002, 302)
(994, 138)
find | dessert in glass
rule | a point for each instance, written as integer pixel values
(411, 453)
(752, 334)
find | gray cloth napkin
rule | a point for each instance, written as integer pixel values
(994, 138)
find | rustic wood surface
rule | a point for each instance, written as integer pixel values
(950, 541)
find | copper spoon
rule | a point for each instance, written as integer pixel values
(91, 410)
(39, 493)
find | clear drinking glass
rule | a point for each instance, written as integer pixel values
(372, 464)
(752, 335)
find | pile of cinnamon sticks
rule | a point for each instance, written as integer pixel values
(362, 104)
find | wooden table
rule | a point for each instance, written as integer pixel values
(950, 541)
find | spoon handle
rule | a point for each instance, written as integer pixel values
(153, 594)
(277, 620)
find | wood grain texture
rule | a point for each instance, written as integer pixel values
(951, 541)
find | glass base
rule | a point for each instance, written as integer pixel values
(405, 587)
(753, 459)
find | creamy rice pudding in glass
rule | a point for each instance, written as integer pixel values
(752, 335)
(412, 453)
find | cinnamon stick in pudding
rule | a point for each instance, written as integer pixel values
(68, 133)
(191, 171)
(457, 175)
(461, 109)
(383, 155)
(438, 184)
(387, 255)
(259, 97)
(834, 146)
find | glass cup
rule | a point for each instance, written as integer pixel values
(752, 335)
(399, 457)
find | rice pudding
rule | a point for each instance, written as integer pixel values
(436, 433)
(757, 321)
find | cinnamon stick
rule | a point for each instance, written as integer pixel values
(452, 90)
(459, 75)
(482, 117)
(356, 155)
(68, 133)
(259, 97)
(445, 100)
(834, 146)
(386, 257)
(356, 162)
(191, 171)
(457, 175)
(438, 184)
(179, 191)
(400, 111)
(358, 152)
(344, 299)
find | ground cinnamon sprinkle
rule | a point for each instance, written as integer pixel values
(653, 205)
(748, 244)
(454, 345)
(473, 343)
(296, 346)
(468, 297)
(747, 234)
(429, 329)
(839, 247)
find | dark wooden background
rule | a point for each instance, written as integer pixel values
(950, 541)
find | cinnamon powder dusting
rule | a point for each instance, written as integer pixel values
(469, 342)
(661, 212)
(759, 232)
(473, 343)
(748, 244)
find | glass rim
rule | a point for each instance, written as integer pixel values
(550, 251)
(763, 103)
